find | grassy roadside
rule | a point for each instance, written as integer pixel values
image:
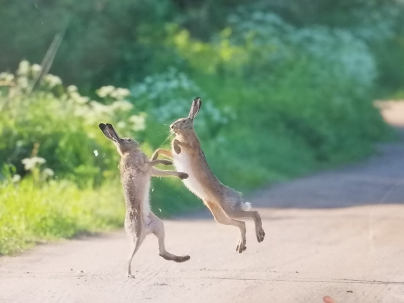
(29, 213)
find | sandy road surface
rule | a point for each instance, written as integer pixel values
(341, 235)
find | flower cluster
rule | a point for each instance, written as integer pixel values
(112, 92)
(26, 76)
(338, 50)
(33, 165)
(114, 107)
(167, 96)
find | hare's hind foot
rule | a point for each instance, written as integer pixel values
(222, 218)
(178, 259)
(241, 245)
(131, 276)
(260, 234)
(239, 213)
(181, 259)
(157, 227)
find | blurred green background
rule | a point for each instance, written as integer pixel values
(287, 88)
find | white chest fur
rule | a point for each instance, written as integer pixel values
(146, 202)
(183, 164)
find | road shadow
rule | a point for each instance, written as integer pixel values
(377, 180)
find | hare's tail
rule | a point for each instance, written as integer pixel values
(246, 206)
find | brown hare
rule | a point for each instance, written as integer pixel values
(225, 203)
(136, 171)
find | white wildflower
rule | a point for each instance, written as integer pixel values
(99, 108)
(105, 91)
(47, 172)
(31, 163)
(77, 98)
(52, 80)
(6, 77)
(81, 111)
(71, 89)
(23, 68)
(138, 122)
(22, 82)
(122, 105)
(120, 93)
(36, 69)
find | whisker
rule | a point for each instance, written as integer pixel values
(169, 135)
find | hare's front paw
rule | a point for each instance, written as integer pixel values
(166, 162)
(241, 245)
(183, 176)
(131, 276)
(260, 234)
(177, 147)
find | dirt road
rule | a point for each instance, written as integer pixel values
(341, 235)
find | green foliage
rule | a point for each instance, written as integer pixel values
(63, 125)
(287, 89)
(284, 106)
(122, 42)
(86, 54)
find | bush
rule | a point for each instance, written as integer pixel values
(61, 126)
(290, 100)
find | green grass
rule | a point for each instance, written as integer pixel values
(31, 213)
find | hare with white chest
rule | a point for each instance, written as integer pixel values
(136, 171)
(225, 203)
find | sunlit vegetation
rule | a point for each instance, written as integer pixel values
(282, 96)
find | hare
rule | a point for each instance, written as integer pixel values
(225, 203)
(136, 171)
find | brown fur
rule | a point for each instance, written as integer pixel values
(225, 203)
(136, 171)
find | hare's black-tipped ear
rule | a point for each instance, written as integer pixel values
(196, 106)
(111, 131)
(108, 131)
(103, 128)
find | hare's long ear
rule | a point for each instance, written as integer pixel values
(112, 132)
(106, 129)
(196, 106)
(103, 128)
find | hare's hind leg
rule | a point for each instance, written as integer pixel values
(221, 217)
(157, 227)
(136, 244)
(240, 213)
